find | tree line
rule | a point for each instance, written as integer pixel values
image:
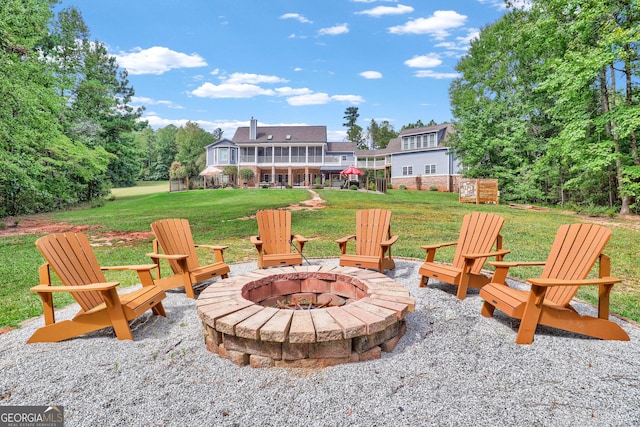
(547, 102)
(68, 131)
(377, 135)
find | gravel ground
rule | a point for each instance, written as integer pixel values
(453, 367)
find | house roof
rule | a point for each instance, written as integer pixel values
(222, 142)
(340, 147)
(279, 134)
(395, 144)
(426, 129)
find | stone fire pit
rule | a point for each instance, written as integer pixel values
(312, 316)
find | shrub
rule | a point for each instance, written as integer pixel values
(402, 187)
(353, 187)
(372, 186)
(433, 188)
(265, 186)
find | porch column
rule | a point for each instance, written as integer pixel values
(273, 174)
(306, 176)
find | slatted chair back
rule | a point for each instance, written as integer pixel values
(274, 229)
(174, 237)
(575, 250)
(74, 262)
(372, 227)
(478, 233)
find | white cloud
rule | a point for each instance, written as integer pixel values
(289, 91)
(424, 61)
(157, 60)
(371, 74)
(352, 99)
(151, 101)
(297, 17)
(318, 98)
(373, 1)
(334, 31)
(321, 98)
(436, 25)
(250, 78)
(226, 90)
(297, 69)
(432, 74)
(379, 11)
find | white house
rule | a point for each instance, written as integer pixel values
(302, 156)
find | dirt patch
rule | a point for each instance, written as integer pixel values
(316, 202)
(36, 225)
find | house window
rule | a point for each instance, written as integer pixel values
(224, 155)
(432, 140)
(412, 143)
(405, 143)
(298, 154)
(281, 154)
(407, 170)
(247, 154)
(429, 169)
(266, 178)
(344, 158)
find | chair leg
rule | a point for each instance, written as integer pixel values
(531, 315)
(424, 281)
(116, 314)
(487, 309)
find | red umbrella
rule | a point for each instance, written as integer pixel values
(352, 170)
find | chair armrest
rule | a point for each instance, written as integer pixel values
(584, 282)
(500, 252)
(508, 264)
(156, 255)
(502, 269)
(140, 267)
(300, 238)
(214, 247)
(438, 245)
(217, 249)
(389, 242)
(431, 249)
(82, 288)
(255, 240)
(345, 239)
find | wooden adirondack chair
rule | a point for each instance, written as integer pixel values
(73, 260)
(174, 239)
(373, 241)
(274, 240)
(478, 234)
(574, 252)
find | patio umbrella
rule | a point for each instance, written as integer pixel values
(352, 170)
(210, 171)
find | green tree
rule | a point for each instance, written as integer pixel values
(415, 125)
(165, 152)
(246, 174)
(354, 131)
(380, 134)
(41, 168)
(191, 140)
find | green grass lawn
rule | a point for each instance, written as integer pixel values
(219, 217)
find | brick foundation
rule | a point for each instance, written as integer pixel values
(366, 316)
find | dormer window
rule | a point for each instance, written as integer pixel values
(269, 137)
(288, 137)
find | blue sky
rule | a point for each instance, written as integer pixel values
(295, 62)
